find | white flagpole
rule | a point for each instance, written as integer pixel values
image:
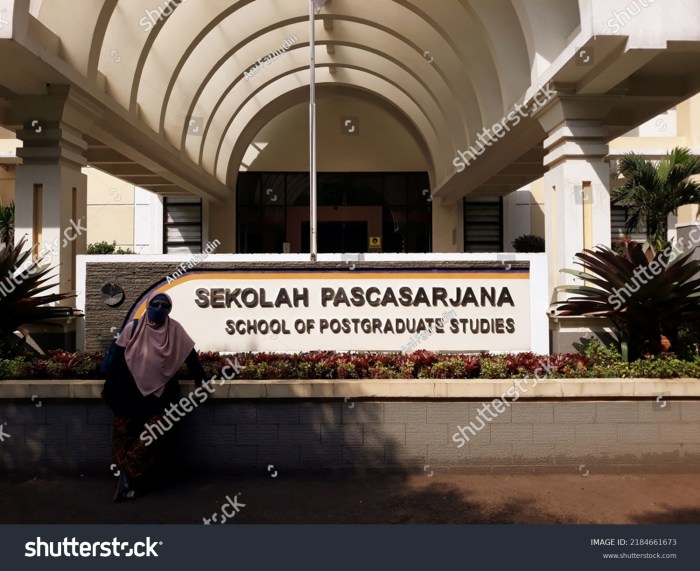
(312, 133)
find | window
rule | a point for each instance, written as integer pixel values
(618, 215)
(483, 225)
(182, 225)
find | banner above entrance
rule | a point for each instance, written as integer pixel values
(286, 310)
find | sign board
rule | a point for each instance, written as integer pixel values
(362, 310)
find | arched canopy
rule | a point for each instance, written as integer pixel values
(171, 85)
(449, 67)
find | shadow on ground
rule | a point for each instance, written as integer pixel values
(669, 515)
(296, 499)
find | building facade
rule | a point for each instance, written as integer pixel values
(442, 127)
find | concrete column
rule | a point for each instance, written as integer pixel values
(577, 197)
(448, 226)
(50, 189)
(219, 223)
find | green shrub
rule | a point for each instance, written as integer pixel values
(104, 248)
(449, 369)
(596, 361)
(17, 368)
(493, 367)
(54, 370)
(304, 370)
(664, 368)
(528, 243)
(619, 370)
(324, 370)
(688, 343)
(7, 223)
(85, 370)
(383, 372)
(692, 368)
(597, 353)
(407, 371)
(346, 371)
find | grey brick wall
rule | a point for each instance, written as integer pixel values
(556, 436)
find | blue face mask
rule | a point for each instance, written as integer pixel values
(157, 314)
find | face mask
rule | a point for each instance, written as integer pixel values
(157, 315)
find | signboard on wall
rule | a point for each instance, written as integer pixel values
(363, 310)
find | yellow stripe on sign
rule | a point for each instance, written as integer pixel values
(355, 274)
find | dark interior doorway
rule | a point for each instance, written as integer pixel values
(337, 237)
(271, 207)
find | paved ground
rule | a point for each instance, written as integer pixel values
(537, 499)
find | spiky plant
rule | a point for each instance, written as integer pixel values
(21, 299)
(652, 190)
(646, 298)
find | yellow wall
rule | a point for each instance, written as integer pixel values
(110, 209)
(7, 184)
(8, 148)
(537, 208)
(383, 142)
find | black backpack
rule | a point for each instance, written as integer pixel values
(107, 363)
(120, 392)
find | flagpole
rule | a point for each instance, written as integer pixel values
(313, 246)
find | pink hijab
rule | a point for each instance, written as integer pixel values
(155, 354)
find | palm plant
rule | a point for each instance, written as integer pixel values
(653, 189)
(7, 223)
(20, 299)
(646, 298)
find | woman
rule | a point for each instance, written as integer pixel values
(153, 351)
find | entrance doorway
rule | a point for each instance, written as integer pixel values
(357, 212)
(336, 237)
(341, 229)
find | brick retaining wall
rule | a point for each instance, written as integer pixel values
(73, 436)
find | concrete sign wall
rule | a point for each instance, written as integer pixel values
(463, 305)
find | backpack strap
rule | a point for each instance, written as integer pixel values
(133, 327)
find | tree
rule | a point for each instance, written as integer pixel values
(654, 189)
